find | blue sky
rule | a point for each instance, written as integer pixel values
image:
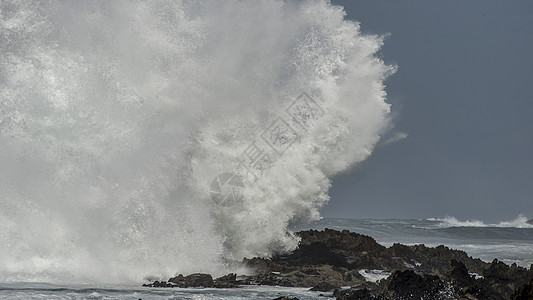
(463, 94)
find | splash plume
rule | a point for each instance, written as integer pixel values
(115, 116)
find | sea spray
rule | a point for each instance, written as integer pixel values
(115, 116)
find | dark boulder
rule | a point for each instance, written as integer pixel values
(193, 280)
(355, 294)
(314, 253)
(458, 274)
(324, 287)
(465, 285)
(525, 292)
(158, 284)
(505, 279)
(226, 281)
(408, 284)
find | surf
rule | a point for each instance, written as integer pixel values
(116, 117)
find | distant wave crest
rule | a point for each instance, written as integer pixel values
(519, 222)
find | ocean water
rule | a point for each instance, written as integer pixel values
(508, 241)
(511, 242)
(140, 139)
(51, 291)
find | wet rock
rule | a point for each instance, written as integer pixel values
(347, 249)
(355, 294)
(329, 259)
(256, 263)
(315, 253)
(458, 273)
(408, 284)
(286, 298)
(159, 284)
(505, 279)
(465, 285)
(193, 280)
(524, 292)
(324, 287)
(226, 281)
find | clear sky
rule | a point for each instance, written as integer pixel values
(463, 94)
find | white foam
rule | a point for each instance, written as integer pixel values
(116, 115)
(449, 221)
(374, 275)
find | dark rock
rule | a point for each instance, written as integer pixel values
(158, 284)
(347, 249)
(315, 253)
(524, 292)
(410, 285)
(328, 259)
(324, 287)
(256, 263)
(465, 285)
(458, 273)
(193, 280)
(505, 279)
(355, 294)
(530, 222)
(286, 298)
(226, 281)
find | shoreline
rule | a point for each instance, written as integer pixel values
(349, 265)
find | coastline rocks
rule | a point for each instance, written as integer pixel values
(355, 294)
(227, 281)
(530, 222)
(329, 259)
(356, 251)
(193, 280)
(198, 280)
(159, 284)
(408, 284)
(324, 287)
(525, 292)
(506, 279)
(458, 274)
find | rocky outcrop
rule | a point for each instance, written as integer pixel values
(524, 292)
(329, 259)
(408, 284)
(324, 286)
(355, 294)
(227, 281)
(356, 251)
(193, 280)
(199, 280)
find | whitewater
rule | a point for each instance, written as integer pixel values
(508, 243)
(117, 116)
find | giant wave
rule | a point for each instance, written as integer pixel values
(116, 115)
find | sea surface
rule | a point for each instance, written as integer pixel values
(511, 242)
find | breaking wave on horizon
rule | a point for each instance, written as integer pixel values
(519, 222)
(116, 116)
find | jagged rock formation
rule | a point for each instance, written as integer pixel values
(326, 260)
